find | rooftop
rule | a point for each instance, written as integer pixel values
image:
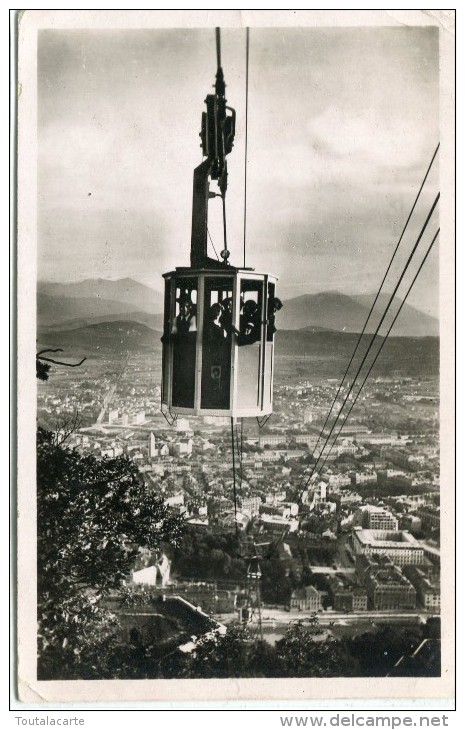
(387, 538)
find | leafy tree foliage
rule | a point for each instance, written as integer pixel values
(210, 556)
(300, 654)
(220, 656)
(42, 370)
(377, 652)
(238, 654)
(276, 584)
(92, 518)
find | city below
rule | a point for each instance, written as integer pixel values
(345, 549)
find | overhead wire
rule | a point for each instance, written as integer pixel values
(239, 451)
(385, 337)
(375, 301)
(225, 234)
(307, 481)
(211, 241)
(384, 340)
(234, 475)
(246, 132)
(242, 441)
(386, 310)
(373, 338)
(218, 46)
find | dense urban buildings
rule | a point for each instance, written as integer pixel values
(400, 546)
(361, 535)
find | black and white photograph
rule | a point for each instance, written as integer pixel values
(235, 374)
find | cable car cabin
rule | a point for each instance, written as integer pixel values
(218, 340)
(219, 320)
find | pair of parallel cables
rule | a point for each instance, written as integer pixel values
(316, 469)
(218, 63)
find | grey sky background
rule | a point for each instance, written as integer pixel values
(342, 125)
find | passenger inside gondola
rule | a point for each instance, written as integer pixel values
(249, 323)
(185, 321)
(274, 305)
(215, 332)
(226, 318)
(216, 350)
(184, 336)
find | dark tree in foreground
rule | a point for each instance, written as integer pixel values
(237, 654)
(300, 653)
(377, 652)
(92, 518)
(304, 651)
(220, 656)
(233, 655)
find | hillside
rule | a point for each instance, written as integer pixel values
(126, 291)
(152, 321)
(321, 354)
(61, 310)
(98, 300)
(424, 324)
(326, 354)
(95, 339)
(335, 311)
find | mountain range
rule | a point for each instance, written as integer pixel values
(303, 353)
(344, 313)
(74, 305)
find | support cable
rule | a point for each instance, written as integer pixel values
(246, 131)
(218, 46)
(302, 489)
(386, 310)
(234, 474)
(225, 252)
(239, 452)
(242, 442)
(380, 348)
(211, 241)
(375, 300)
(224, 226)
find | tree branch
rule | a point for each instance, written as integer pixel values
(59, 362)
(57, 349)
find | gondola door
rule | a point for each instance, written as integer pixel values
(251, 315)
(217, 339)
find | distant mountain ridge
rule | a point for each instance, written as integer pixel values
(152, 321)
(91, 339)
(99, 300)
(127, 291)
(60, 310)
(304, 353)
(344, 313)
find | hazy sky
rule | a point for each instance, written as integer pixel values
(342, 125)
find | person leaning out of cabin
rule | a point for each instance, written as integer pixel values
(249, 323)
(274, 305)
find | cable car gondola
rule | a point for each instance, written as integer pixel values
(219, 319)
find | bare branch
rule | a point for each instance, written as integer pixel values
(42, 369)
(57, 349)
(65, 427)
(59, 362)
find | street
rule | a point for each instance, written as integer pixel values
(340, 625)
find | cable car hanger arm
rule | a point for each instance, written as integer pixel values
(217, 140)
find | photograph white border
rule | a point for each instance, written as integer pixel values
(30, 689)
